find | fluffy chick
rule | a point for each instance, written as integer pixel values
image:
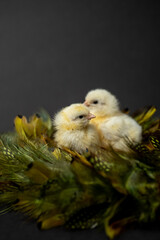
(74, 130)
(116, 129)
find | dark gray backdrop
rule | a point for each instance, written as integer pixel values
(53, 52)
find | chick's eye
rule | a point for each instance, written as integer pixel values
(81, 116)
(95, 102)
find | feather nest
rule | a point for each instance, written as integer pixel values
(54, 186)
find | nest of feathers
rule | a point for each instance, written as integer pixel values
(56, 186)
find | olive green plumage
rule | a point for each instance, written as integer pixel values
(61, 187)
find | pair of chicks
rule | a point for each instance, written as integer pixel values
(95, 124)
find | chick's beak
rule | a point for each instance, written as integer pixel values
(86, 103)
(90, 116)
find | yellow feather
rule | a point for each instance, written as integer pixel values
(19, 127)
(54, 221)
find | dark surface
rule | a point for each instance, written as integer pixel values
(53, 52)
(14, 227)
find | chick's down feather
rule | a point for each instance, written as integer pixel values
(74, 130)
(115, 128)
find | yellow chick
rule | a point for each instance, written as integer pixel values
(116, 129)
(74, 130)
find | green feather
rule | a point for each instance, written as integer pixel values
(61, 187)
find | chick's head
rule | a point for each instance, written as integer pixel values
(73, 117)
(101, 102)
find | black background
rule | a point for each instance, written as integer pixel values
(53, 52)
